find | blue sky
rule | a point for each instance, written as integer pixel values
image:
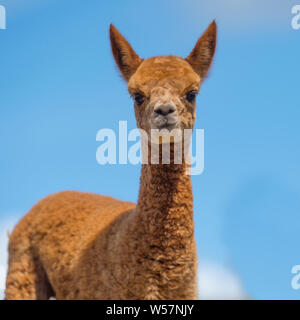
(59, 86)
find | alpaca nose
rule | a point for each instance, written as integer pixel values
(164, 109)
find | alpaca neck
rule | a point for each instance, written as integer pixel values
(165, 206)
(164, 248)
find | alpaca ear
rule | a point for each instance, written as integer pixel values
(125, 57)
(202, 55)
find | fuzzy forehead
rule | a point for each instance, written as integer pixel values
(159, 71)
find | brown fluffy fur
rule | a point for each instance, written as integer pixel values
(85, 246)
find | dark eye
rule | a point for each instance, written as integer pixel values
(139, 98)
(191, 96)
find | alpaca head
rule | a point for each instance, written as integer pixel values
(164, 89)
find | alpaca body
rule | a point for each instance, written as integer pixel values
(125, 254)
(56, 239)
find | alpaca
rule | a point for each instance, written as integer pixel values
(75, 245)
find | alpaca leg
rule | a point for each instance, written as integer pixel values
(26, 279)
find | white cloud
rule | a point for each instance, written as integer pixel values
(17, 8)
(218, 282)
(5, 227)
(242, 16)
(3, 271)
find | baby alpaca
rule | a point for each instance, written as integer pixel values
(74, 245)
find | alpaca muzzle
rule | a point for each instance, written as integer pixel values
(165, 116)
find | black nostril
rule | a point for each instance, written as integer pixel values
(160, 111)
(164, 110)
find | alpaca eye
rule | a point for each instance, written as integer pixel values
(191, 96)
(139, 98)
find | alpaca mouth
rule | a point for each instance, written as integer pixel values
(167, 127)
(164, 123)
